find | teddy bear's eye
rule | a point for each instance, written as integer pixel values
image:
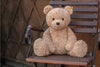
(53, 18)
(62, 18)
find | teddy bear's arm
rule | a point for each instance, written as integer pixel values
(71, 40)
(48, 40)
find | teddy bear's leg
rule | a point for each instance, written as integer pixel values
(79, 50)
(40, 49)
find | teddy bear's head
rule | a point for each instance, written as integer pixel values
(58, 18)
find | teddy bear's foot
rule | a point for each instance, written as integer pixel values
(79, 50)
(40, 49)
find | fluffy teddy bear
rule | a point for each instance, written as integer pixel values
(59, 38)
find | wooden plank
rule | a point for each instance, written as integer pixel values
(40, 6)
(84, 16)
(35, 20)
(88, 3)
(84, 30)
(61, 59)
(85, 9)
(84, 23)
(77, 30)
(27, 6)
(8, 16)
(11, 49)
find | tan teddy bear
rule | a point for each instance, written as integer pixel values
(59, 38)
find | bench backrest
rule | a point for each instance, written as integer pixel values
(84, 19)
(85, 14)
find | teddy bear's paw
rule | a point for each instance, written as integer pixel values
(40, 49)
(52, 49)
(79, 50)
(68, 47)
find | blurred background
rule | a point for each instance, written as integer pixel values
(15, 16)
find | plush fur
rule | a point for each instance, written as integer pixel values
(59, 38)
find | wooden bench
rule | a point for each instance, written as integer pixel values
(86, 15)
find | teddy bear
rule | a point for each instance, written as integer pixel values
(59, 38)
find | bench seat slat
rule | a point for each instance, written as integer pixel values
(89, 3)
(61, 59)
(84, 30)
(84, 16)
(83, 23)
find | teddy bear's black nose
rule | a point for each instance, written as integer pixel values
(57, 23)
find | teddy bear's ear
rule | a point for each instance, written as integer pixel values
(47, 9)
(70, 9)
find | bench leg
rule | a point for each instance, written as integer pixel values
(45, 65)
(35, 64)
(92, 65)
(62, 65)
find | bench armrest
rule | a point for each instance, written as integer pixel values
(27, 35)
(99, 39)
